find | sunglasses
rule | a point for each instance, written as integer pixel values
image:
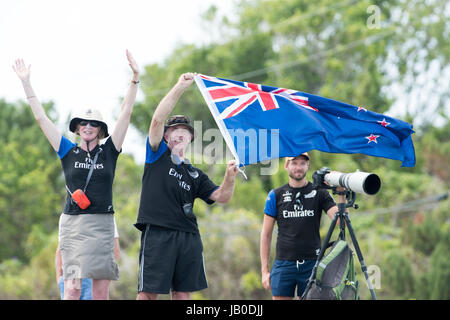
(94, 124)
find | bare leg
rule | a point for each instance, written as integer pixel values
(146, 296)
(72, 289)
(176, 295)
(100, 289)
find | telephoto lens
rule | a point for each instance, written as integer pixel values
(360, 182)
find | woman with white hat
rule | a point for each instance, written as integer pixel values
(87, 223)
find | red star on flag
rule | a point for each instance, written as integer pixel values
(384, 123)
(372, 138)
(361, 108)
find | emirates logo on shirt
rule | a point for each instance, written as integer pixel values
(297, 213)
(87, 164)
(182, 184)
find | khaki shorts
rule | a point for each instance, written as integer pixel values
(86, 242)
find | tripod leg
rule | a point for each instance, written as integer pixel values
(320, 256)
(359, 254)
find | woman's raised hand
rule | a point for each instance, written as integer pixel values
(132, 63)
(22, 71)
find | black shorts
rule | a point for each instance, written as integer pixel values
(170, 260)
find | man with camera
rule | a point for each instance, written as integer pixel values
(297, 208)
(171, 254)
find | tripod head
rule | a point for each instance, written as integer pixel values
(350, 196)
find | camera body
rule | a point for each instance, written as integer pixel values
(319, 178)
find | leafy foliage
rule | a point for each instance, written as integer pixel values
(321, 47)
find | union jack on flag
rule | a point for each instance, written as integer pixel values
(247, 93)
(301, 122)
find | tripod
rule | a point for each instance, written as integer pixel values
(344, 221)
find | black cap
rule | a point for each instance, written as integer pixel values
(179, 120)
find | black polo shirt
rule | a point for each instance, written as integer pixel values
(298, 221)
(166, 187)
(76, 164)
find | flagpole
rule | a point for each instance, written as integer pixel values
(219, 122)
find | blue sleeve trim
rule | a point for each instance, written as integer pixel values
(150, 155)
(65, 146)
(271, 205)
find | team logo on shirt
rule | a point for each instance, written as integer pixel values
(312, 194)
(298, 207)
(194, 174)
(287, 196)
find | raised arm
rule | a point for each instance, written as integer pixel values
(165, 107)
(48, 127)
(118, 135)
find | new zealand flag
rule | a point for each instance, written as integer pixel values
(283, 122)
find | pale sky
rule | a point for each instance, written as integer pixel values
(77, 49)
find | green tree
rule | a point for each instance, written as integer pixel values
(31, 189)
(439, 275)
(399, 274)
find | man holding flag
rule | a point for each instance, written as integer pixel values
(171, 254)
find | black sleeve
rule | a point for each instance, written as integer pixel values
(326, 200)
(111, 148)
(205, 187)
